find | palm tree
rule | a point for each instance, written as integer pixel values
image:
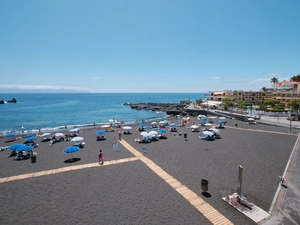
(295, 78)
(274, 81)
(264, 89)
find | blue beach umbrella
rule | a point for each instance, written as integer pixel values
(141, 125)
(148, 127)
(15, 146)
(203, 120)
(100, 132)
(31, 139)
(161, 131)
(10, 135)
(28, 136)
(71, 149)
(24, 148)
(220, 122)
(173, 125)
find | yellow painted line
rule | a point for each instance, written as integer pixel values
(214, 216)
(64, 169)
(262, 131)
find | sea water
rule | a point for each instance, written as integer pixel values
(53, 111)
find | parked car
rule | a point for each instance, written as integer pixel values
(291, 118)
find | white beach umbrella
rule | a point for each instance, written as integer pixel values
(59, 135)
(127, 128)
(222, 118)
(161, 122)
(208, 133)
(45, 134)
(75, 130)
(215, 130)
(250, 119)
(153, 132)
(194, 126)
(154, 122)
(145, 134)
(207, 124)
(105, 126)
(77, 139)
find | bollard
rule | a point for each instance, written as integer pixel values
(204, 185)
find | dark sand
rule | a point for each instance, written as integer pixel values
(130, 193)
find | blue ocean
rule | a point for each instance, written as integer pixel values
(50, 112)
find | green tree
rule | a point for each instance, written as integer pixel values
(227, 102)
(264, 89)
(198, 101)
(187, 102)
(295, 106)
(274, 81)
(271, 102)
(295, 78)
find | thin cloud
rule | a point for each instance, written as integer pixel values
(215, 78)
(96, 78)
(274, 74)
(43, 87)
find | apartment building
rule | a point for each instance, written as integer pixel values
(283, 91)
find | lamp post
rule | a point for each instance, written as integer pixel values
(291, 119)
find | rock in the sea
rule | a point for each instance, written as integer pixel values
(169, 108)
(2, 101)
(12, 101)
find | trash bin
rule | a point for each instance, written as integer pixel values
(204, 185)
(185, 136)
(33, 159)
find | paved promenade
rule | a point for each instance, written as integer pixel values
(286, 205)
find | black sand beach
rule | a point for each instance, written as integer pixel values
(131, 193)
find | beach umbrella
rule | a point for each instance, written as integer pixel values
(24, 148)
(203, 120)
(148, 127)
(161, 131)
(59, 135)
(10, 135)
(215, 130)
(220, 122)
(250, 119)
(127, 128)
(194, 126)
(161, 122)
(222, 118)
(28, 136)
(75, 130)
(45, 134)
(101, 132)
(153, 132)
(71, 149)
(208, 133)
(14, 146)
(31, 139)
(105, 126)
(154, 123)
(207, 124)
(77, 139)
(173, 125)
(141, 125)
(166, 121)
(145, 134)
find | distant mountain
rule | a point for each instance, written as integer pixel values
(10, 90)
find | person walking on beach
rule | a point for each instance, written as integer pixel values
(101, 157)
(120, 135)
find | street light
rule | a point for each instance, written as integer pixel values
(291, 119)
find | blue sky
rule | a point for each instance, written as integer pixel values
(147, 46)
